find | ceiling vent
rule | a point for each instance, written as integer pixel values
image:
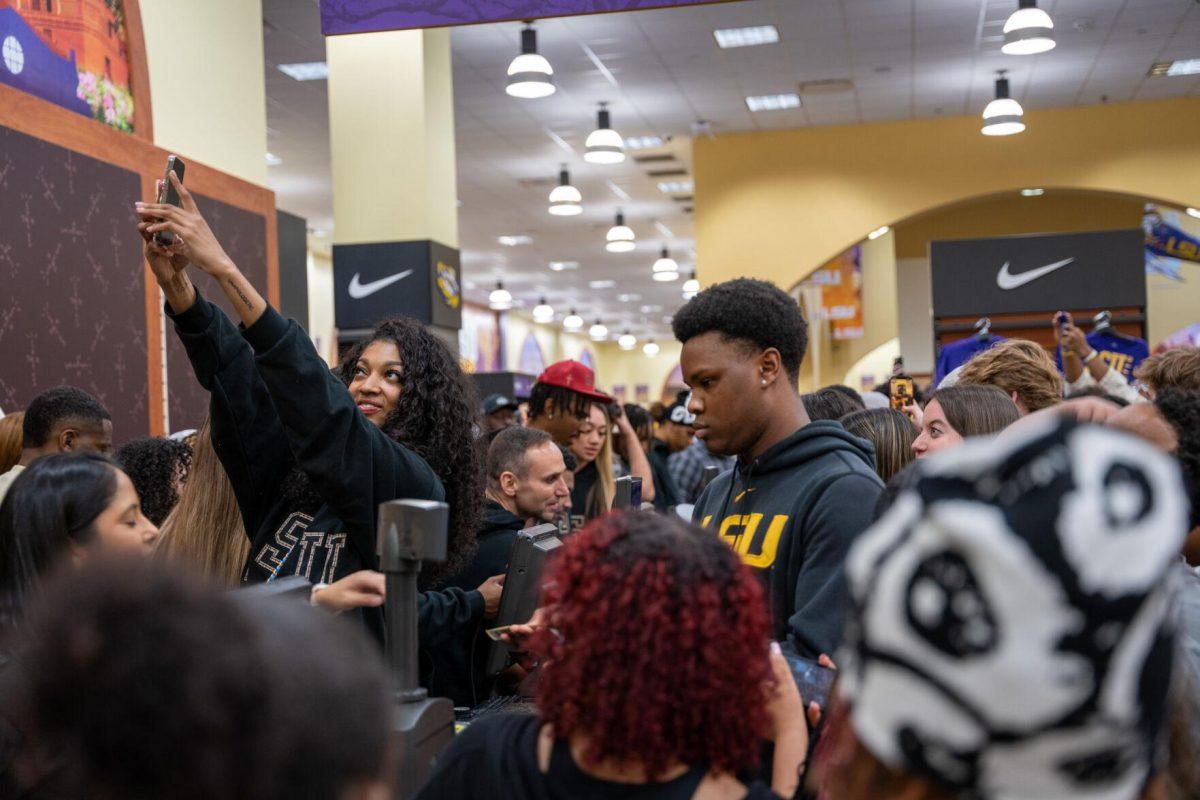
(826, 86)
(654, 158)
(667, 173)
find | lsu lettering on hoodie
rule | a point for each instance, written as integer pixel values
(792, 514)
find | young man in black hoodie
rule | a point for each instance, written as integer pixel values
(525, 486)
(801, 491)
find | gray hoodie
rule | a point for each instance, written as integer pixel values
(792, 514)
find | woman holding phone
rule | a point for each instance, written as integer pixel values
(311, 454)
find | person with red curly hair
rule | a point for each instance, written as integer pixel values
(658, 679)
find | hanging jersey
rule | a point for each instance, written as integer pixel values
(955, 354)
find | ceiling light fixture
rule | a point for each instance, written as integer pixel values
(620, 238)
(306, 71)
(1193, 212)
(691, 287)
(603, 284)
(514, 240)
(1170, 69)
(1032, 192)
(627, 341)
(643, 142)
(1028, 31)
(543, 312)
(598, 332)
(559, 266)
(746, 37)
(572, 321)
(675, 187)
(1003, 116)
(875, 234)
(530, 75)
(773, 102)
(650, 348)
(604, 145)
(565, 199)
(273, 160)
(665, 263)
(500, 299)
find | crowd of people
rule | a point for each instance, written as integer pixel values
(998, 575)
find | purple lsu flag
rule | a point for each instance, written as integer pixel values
(363, 16)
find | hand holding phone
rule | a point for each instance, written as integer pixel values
(900, 390)
(167, 195)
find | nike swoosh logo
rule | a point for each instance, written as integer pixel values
(1006, 280)
(360, 290)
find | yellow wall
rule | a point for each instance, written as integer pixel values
(320, 298)
(206, 82)
(615, 367)
(517, 327)
(778, 204)
(391, 136)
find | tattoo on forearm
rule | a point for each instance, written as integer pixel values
(241, 295)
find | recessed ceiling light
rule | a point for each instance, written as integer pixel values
(514, 240)
(559, 266)
(631, 298)
(663, 229)
(875, 234)
(1170, 69)
(675, 187)
(605, 284)
(306, 71)
(773, 102)
(651, 309)
(746, 37)
(1193, 212)
(1032, 192)
(273, 160)
(643, 142)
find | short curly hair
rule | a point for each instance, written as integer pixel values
(435, 417)
(754, 312)
(57, 405)
(155, 465)
(655, 646)
(1181, 408)
(1017, 365)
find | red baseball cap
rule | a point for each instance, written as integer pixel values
(574, 376)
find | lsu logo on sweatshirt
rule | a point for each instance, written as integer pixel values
(754, 537)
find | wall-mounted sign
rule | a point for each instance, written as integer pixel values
(362, 16)
(389, 279)
(1017, 274)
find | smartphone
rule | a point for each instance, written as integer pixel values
(900, 389)
(168, 195)
(813, 680)
(635, 494)
(1060, 319)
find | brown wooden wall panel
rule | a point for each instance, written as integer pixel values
(71, 280)
(244, 237)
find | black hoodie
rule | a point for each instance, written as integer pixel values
(793, 513)
(458, 666)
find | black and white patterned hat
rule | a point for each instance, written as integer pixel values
(1011, 631)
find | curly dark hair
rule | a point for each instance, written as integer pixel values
(435, 418)
(1181, 408)
(150, 684)
(566, 400)
(747, 310)
(655, 646)
(155, 465)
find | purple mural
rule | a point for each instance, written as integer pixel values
(362, 16)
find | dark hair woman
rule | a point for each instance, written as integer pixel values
(891, 432)
(960, 412)
(395, 422)
(672, 702)
(60, 506)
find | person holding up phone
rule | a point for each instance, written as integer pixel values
(311, 454)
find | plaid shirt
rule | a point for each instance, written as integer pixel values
(687, 468)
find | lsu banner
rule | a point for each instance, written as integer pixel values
(1170, 240)
(363, 16)
(840, 282)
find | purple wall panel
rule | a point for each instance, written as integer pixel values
(243, 234)
(72, 296)
(360, 16)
